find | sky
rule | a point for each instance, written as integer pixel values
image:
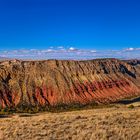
(69, 29)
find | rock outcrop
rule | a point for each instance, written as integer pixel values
(54, 82)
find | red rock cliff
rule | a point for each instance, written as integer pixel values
(54, 82)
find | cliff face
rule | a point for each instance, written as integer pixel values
(53, 82)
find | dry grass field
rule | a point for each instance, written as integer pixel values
(114, 123)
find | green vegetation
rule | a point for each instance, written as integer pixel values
(131, 106)
(59, 108)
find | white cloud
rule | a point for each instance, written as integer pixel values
(72, 49)
(60, 47)
(130, 49)
(93, 51)
(46, 51)
(61, 52)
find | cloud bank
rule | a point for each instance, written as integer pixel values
(61, 52)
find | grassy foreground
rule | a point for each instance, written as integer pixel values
(119, 123)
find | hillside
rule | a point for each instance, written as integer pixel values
(54, 82)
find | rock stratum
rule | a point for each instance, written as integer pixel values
(54, 82)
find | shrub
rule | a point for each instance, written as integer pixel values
(131, 106)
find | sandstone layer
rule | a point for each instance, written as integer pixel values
(54, 82)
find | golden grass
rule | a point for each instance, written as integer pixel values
(115, 123)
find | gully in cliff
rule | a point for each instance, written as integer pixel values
(55, 82)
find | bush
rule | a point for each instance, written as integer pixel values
(131, 106)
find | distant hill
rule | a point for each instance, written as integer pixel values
(2, 58)
(55, 82)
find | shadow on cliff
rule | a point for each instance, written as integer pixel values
(129, 101)
(124, 69)
(4, 116)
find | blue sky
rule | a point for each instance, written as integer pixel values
(59, 25)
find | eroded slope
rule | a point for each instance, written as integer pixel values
(54, 82)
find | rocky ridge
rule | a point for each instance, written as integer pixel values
(53, 82)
